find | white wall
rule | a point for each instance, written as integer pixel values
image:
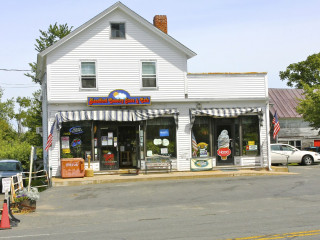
(226, 86)
(118, 62)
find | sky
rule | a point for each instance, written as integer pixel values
(227, 35)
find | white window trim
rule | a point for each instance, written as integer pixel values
(80, 75)
(125, 30)
(141, 82)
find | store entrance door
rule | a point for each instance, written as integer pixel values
(127, 146)
(224, 139)
(107, 145)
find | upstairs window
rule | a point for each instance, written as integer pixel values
(149, 75)
(118, 31)
(88, 75)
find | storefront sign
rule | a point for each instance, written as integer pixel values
(252, 147)
(224, 153)
(164, 132)
(65, 142)
(201, 164)
(118, 98)
(76, 130)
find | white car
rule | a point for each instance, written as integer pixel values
(280, 153)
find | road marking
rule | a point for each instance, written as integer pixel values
(280, 236)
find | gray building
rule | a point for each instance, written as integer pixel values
(293, 129)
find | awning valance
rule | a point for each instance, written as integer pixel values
(224, 112)
(120, 115)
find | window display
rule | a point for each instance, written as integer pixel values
(250, 136)
(161, 137)
(201, 137)
(75, 140)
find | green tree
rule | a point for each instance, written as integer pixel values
(306, 75)
(304, 72)
(310, 106)
(29, 115)
(47, 38)
(6, 108)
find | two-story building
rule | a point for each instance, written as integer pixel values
(117, 89)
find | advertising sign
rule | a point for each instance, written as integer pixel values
(164, 132)
(202, 164)
(224, 153)
(118, 98)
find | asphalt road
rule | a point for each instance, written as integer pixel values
(268, 207)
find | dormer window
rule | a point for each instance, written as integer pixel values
(118, 31)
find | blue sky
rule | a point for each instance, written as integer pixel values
(227, 35)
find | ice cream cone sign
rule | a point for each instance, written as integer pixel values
(223, 145)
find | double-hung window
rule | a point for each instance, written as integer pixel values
(149, 74)
(88, 75)
(118, 30)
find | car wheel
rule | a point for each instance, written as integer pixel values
(307, 160)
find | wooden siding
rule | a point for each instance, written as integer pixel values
(224, 86)
(118, 62)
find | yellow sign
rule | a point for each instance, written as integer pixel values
(66, 150)
(251, 143)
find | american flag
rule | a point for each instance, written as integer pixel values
(194, 145)
(276, 124)
(49, 141)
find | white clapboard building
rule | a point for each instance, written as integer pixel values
(117, 90)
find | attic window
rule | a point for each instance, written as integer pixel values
(118, 31)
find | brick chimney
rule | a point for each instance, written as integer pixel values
(160, 21)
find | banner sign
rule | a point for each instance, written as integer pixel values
(118, 98)
(201, 164)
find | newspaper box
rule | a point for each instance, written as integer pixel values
(72, 167)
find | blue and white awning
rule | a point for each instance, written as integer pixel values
(122, 115)
(224, 112)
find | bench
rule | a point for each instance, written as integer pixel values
(158, 163)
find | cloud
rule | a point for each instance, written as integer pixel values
(120, 96)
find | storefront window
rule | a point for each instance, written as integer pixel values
(75, 139)
(161, 137)
(201, 137)
(250, 136)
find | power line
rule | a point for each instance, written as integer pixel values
(14, 70)
(14, 84)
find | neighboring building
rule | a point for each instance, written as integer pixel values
(294, 130)
(117, 89)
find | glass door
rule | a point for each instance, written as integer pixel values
(107, 148)
(224, 142)
(127, 146)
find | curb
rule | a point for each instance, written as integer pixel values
(100, 179)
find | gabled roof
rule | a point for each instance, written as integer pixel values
(285, 101)
(118, 5)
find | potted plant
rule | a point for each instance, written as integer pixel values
(26, 200)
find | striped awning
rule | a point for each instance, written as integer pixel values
(120, 115)
(224, 112)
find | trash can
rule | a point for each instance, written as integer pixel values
(72, 167)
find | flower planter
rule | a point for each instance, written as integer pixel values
(27, 205)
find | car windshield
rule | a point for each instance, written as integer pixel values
(10, 166)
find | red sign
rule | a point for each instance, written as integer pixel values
(109, 159)
(224, 153)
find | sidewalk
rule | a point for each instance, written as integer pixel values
(101, 178)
